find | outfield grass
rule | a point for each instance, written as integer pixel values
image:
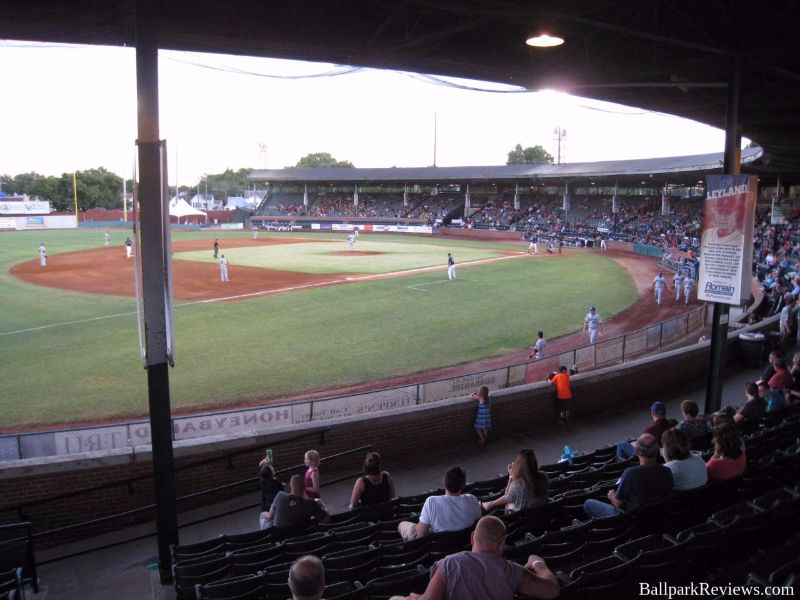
(67, 368)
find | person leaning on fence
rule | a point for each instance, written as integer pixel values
(560, 382)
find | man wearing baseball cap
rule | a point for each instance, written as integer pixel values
(658, 412)
(593, 323)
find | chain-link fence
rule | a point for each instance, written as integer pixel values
(604, 353)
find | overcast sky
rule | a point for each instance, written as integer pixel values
(67, 108)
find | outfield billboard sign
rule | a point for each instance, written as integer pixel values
(32, 207)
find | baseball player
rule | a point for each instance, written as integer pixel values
(255, 233)
(216, 248)
(42, 255)
(451, 266)
(355, 232)
(539, 348)
(223, 268)
(350, 241)
(603, 245)
(128, 247)
(593, 323)
(688, 286)
(659, 285)
(677, 284)
(106, 239)
(532, 246)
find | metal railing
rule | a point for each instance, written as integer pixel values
(604, 353)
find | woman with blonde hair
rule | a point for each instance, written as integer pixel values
(311, 460)
(527, 485)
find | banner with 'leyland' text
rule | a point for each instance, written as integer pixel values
(726, 248)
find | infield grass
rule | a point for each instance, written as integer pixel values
(74, 357)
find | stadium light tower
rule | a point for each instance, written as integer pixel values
(262, 146)
(560, 136)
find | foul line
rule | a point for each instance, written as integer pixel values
(419, 288)
(276, 291)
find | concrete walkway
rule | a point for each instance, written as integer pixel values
(128, 572)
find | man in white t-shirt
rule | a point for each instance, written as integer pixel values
(452, 512)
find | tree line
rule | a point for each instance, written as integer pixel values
(100, 188)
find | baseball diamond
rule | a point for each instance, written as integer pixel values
(348, 322)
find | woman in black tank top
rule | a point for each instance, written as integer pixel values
(375, 487)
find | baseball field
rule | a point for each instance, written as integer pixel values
(300, 313)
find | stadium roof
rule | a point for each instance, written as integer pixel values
(662, 55)
(684, 170)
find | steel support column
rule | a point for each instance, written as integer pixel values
(153, 262)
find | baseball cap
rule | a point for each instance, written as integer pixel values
(658, 407)
(592, 308)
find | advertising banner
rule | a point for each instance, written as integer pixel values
(726, 247)
(363, 404)
(462, 386)
(33, 207)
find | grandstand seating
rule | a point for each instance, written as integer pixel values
(737, 522)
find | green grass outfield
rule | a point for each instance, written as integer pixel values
(70, 356)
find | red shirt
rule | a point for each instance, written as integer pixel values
(726, 468)
(781, 379)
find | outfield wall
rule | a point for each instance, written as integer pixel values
(405, 431)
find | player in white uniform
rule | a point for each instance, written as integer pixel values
(106, 239)
(603, 245)
(593, 323)
(355, 232)
(255, 232)
(451, 266)
(659, 285)
(539, 348)
(677, 283)
(128, 247)
(350, 241)
(223, 268)
(42, 255)
(533, 247)
(688, 286)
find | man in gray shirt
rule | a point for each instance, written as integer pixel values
(483, 573)
(293, 511)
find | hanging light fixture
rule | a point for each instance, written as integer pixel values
(543, 40)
